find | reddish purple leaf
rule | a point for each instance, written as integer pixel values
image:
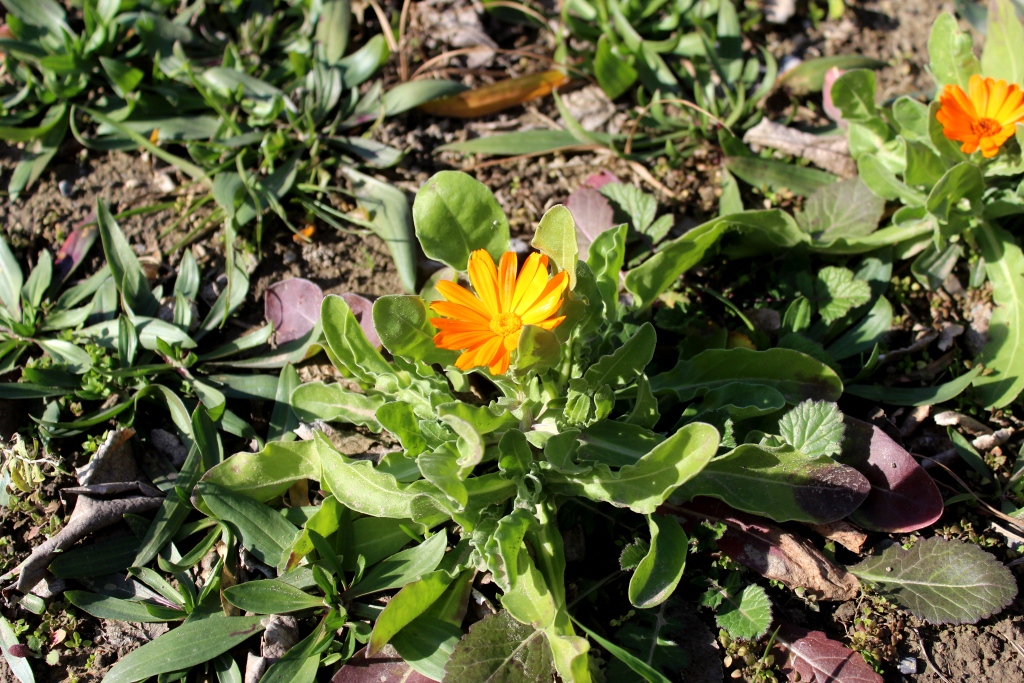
(816, 658)
(599, 180)
(592, 213)
(293, 306)
(75, 247)
(771, 551)
(903, 497)
(831, 110)
(362, 309)
(19, 650)
(384, 667)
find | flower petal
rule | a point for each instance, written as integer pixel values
(996, 98)
(460, 295)
(978, 88)
(549, 301)
(484, 276)
(531, 282)
(552, 323)
(507, 279)
(459, 312)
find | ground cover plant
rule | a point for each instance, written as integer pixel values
(606, 448)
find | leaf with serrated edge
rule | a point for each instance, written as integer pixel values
(746, 616)
(818, 659)
(838, 292)
(500, 648)
(813, 428)
(940, 581)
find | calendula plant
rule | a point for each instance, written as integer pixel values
(953, 167)
(505, 408)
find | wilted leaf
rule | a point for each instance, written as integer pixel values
(293, 306)
(593, 215)
(746, 616)
(812, 657)
(813, 428)
(489, 99)
(903, 497)
(74, 250)
(499, 648)
(772, 552)
(831, 153)
(944, 582)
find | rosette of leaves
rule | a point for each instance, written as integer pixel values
(947, 202)
(113, 340)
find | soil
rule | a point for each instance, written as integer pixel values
(895, 31)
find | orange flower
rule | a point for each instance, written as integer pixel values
(986, 119)
(486, 327)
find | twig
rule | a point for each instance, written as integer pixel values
(505, 160)
(385, 26)
(927, 659)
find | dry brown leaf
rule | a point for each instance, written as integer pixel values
(830, 153)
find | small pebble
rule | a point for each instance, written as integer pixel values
(908, 665)
(67, 188)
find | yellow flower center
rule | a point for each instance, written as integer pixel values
(985, 127)
(504, 324)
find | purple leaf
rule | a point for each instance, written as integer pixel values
(293, 306)
(592, 213)
(362, 309)
(75, 247)
(903, 497)
(771, 551)
(599, 180)
(831, 110)
(812, 657)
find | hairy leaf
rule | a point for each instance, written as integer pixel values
(837, 292)
(556, 239)
(499, 648)
(944, 582)
(746, 616)
(847, 209)
(1003, 355)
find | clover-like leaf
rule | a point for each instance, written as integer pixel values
(944, 582)
(747, 615)
(814, 428)
(837, 292)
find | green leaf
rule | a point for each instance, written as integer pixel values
(264, 532)
(124, 266)
(963, 181)
(98, 558)
(124, 78)
(638, 666)
(809, 76)
(283, 420)
(814, 428)
(411, 94)
(626, 363)
(410, 602)
(348, 342)
(853, 94)
(105, 607)
(19, 665)
(455, 215)
(390, 220)
(38, 280)
(360, 486)
(847, 209)
(537, 351)
(514, 144)
(614, 73)
(402, 568)
(837, 292)
(427, 644)
(924, 396)
(1003, 355)
(781, 483)
(795, 375)
(634, 202)
(332, 30)
(940, 581)
(499, 648)
(268, 473)
(45, 14)
(865, 334)
(11, 280)
(746, 616)
(556, 239)
(778, 175)
(759, 230)
(270, 597)
(333, 402)
(184, 647)
(951, 53)
(403, 325)
(646, 484)
(659, 572)
(606, 257)
(1002, 57)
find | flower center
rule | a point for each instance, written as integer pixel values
(985, 127)
(505, 324)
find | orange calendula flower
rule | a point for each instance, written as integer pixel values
(986, 116)
(486, 326)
